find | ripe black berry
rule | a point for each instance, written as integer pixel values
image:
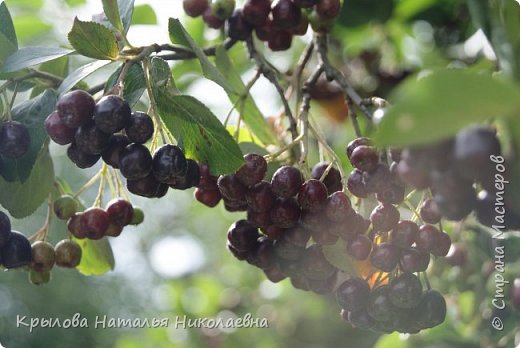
(169, 164)
(355, 143)
(120, 211)
(43, 256)
(442, 244)
(359, 248)
(338, 207)
(135, 162)
(312, 195)
(14, 139)
(456, 255)
(57, 130)
(90, 140)
(287, 250)
(209, 198)
(429, 212)
(280, 40)
(405, 291)
(81, 159)
(379, 306)
(76, 108)
(427, 238)
(364, 158)
(328, 8)
(146, 187)
(212, 21)
(5, 229)
(231, 188)
(285, 14)
(404, 233)
(190, 179)
(356, 185)
(353, 294)
(392, 194)
(285, 213)
(333, 178)
(432, 309)
(116, 144)
(253, 170)
(385, 256)
(412, 260)
(242, 235)
(139, 128)
(238, 27)
(384, 217)
(260, 198)
(377, 180)
(68, 253)
(256, 11)
(286, 181)
(315, 265)
(111, 114)
(74, 226)
(17, 252)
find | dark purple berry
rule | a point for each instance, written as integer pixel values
(146, 187)
(238, 27)
(286, 181)
(285, 213)
(413, 260)
(111, 114)
(57, 130)
(253, 170)
(315, 265)
(209, 198)
(312, 195)
(352, 295)
(94, 222)
(116, 144)
(91, 140)
(260, 198)
(242, 235)
(76, 108)
(377, 180)
(405, 291)
(285, 14)
(384, 217)
(359, 248)
(135, 162)
(139, 128)
(256, 11)
(338, 207)
(328, 8)
(356, 185)
(280, 40)
(120, 211)
(385, 256)
(429, 212)
(195, 8)
(169, 164)
(355, 143)
(333, 178)
(427, 238)
(81, 159)
(17, 252)
(364, 158)
(231, 188)
(404, 233)
(5, 229)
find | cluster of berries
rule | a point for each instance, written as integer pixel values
(16, 251)
(274, 23)
(401, 305)
(109, 129)
(96, 223)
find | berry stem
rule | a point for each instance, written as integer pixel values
(295, 142)
(43, 232)
(101, 189)
(299, 72)
(427, 281)
(241, 99)
(181, 53)
(88, 184)
(152, 108)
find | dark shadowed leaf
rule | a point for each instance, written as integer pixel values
(134, 83)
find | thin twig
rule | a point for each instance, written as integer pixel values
(182, 53)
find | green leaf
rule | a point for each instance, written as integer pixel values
(438, 105)
(6, 25)
(179, 35)
(79, 74)
(22, 200)
(336, 255)
(134, 83)
(31, 113)
(160, 72)
(93, 40)
(251, 115)
(29, 27)
(126, 10)
(96, 257)
(199, 131)
(111, 9)
(29, 56)
(144, 14)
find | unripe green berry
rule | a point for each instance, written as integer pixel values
(138, 216)
(65, 207)
(43, 256)
(68, 253)
(39, 278)
(223, 9)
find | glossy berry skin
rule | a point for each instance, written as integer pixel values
(57, 130)
(234, 206)
(432, 308)
(393, 194)
(195, 8)
(285, 213)
(442, 244)
(405, 291)
(352, 295)
(238, 28)
(253, 170)
(68, 253)
(111, 114)
(333, 178)
(280, 40)
(376, 180)
(297, 235)
(43, 256)
(328, 8)
(207, 181)
(360, 247)
(242, 235)
(81, 159)
(209, 198)
(364, 158)
(74, 226)
(265, 30)
(260, 198)
(91, 140)
(362, 141)
(135, 162)
(5, 229)
(379, 306)
(76, 108)
(338, 207)
(65, 207)
(94, 222)
(255, 12)
(14, 139)
(112, 153)
(286, 181)
(146, 187)
(302, 27)
(427, 238)
(456, 255)
(139, 128)
(287, 250)
(169, 164)
(454, 195)
(190, 179)
(285, 14)
(356, 185)
(231, 188)
(412, 260)
(385, 256)
(312, 196)
(17, 252)
(120, 211)
(429, 212)
(384, 217)
(404, 233)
